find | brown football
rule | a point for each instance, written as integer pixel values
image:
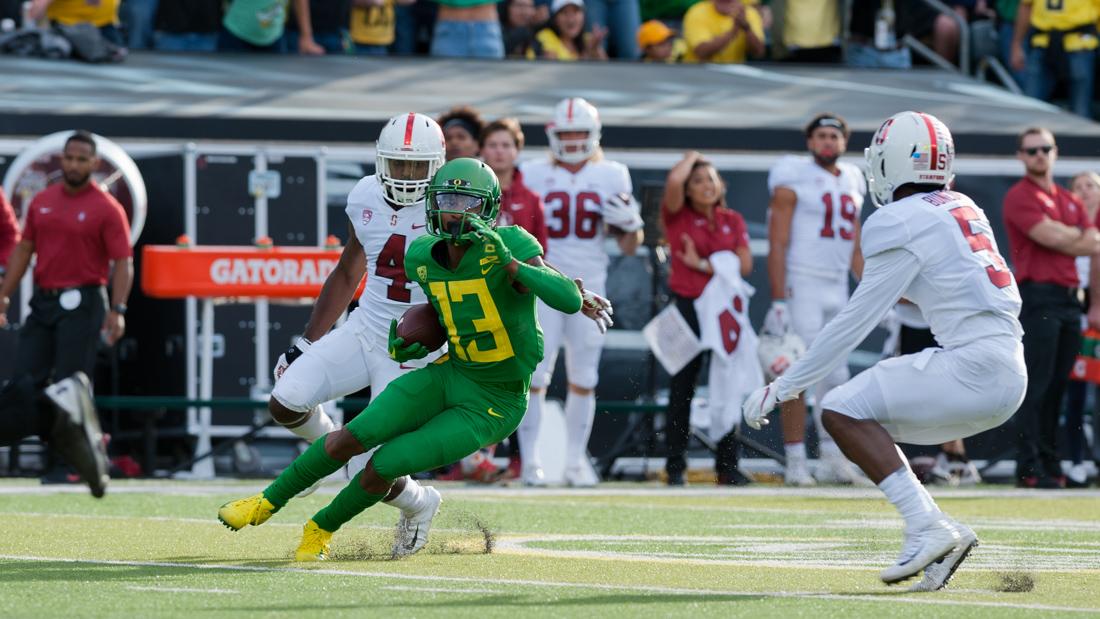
(420, 323)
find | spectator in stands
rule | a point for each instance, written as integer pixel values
(501, 143)
(1086, 186)
(619, 20)
(79, 233)
(697, 223)
(1006, 28)
(659, 43)
(413, 26)
(188, 25)
(723, 31)
(1047, 227)
(9, 232)
(329, 21)
(875, 35)
(519, 18)
(668, 11)
(467, 29)
(808, 31)
(1063, 41)
(103, 14)
(373, 25)
(137, 19)
(565, 39)
(462, 126)
(260, 26)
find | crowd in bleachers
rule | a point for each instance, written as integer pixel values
(1049, 40)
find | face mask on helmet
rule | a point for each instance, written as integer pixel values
(574, 134)
(462, 190)
(449, 215)
(410, 151)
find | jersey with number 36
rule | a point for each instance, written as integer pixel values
(573, 206)
(386, 234)
(823, 230)
(964, 290)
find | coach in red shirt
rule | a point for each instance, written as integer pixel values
(501, 143)
(1047, 228)
(78, 232)
(697, 223)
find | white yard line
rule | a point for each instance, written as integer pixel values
(437, 589)
(901, 596)
(178, 589)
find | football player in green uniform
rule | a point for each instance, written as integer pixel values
(482, 282)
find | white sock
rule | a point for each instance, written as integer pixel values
(317, 425)
(910, 498)
(579, 412)
(529, 431)
(795, 451)
(411, 499)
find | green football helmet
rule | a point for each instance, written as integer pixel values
(462, 186)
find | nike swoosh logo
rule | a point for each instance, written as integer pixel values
(485, 270)
(494, 414)
(409, 545)
(416, 227)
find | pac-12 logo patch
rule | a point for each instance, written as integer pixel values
(367, 216)
(422, 273)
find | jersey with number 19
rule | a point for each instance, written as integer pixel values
(493, 333)
(823, 230)
(386, 234)
(573, 205)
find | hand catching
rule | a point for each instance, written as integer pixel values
(399, 351)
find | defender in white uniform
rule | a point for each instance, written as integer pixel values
(935, 248)
(582, 193)
(813, 238)
(385, 215)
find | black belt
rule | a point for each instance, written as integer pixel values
(56, 292)
(1054, 290)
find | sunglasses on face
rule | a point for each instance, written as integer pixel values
(1031, 152)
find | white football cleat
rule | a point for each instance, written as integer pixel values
(577, 477)
(939, 573)
(922, 548)
(533, 476)
(412, 528)
(797, 473)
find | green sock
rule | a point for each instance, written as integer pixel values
(351, 501)
(306, 469)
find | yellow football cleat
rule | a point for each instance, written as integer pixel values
(314, 546)
(255, 510)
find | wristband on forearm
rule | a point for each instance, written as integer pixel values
(555, 289)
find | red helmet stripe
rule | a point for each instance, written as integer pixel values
(934, 154)
(409, 129)
(569, 112)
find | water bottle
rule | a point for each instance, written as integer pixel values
(885, 37)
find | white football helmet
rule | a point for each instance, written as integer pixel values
(408, 137)
(910, 147)
(574, 114)
(778, 352)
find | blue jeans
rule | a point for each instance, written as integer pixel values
(1039, 78)
(868, 57)
(138, 15)
(622, 18)
(468, 39)
(1004, 41)
(185, 41)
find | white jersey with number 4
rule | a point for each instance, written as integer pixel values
(823, 230)
(385, 234)
(573, 205)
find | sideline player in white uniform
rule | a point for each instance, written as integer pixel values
(385, 215)
(581, 193)
(813, 240)
(935, 248)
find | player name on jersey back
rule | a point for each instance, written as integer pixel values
(826, 215)
(385, 234)
(573, 206)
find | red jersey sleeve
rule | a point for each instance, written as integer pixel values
(29, 227)
(116, 231)
(1021, 210)
(742, 231)
(9, 229)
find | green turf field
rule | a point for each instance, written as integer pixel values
(622, 550)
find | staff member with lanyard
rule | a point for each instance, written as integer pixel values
(80, 232)
(1047, 227)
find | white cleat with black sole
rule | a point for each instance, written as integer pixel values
(939, 573)
(412, 528)
(922, 548)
